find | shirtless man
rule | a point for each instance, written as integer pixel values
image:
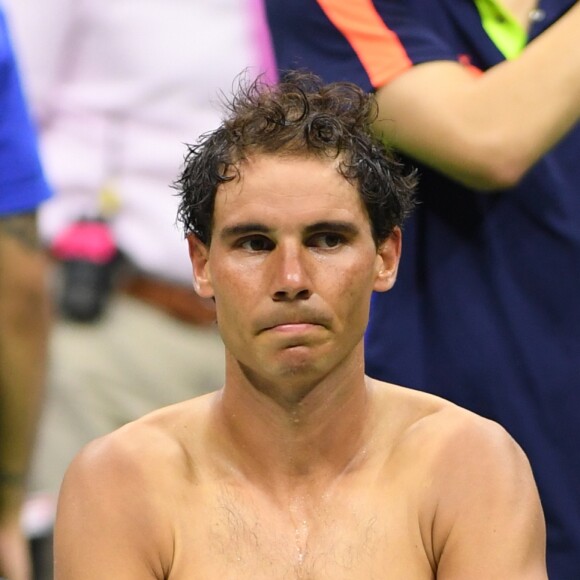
(301, 467)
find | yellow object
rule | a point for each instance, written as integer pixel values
(505, 31)
(109, 201)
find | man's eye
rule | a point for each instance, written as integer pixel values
(326, 240)
(256, 244)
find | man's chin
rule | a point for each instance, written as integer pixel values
(301, 362)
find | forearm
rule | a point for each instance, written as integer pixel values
(23, 338)
(487, 131)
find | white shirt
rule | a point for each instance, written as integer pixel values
(117, 88)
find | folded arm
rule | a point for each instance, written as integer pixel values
(487, 130)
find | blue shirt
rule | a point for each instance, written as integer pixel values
(486, 308)
(22, 184)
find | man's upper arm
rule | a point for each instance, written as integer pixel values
(108, 525)
(489, 523)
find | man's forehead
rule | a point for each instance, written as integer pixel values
(287, 191)
(285, 175)
(257, 161)
(272, 186)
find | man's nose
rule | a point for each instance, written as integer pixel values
(290, 277)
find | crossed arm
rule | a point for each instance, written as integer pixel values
(487, 130)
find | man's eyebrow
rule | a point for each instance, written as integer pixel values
(337, 226)
(243, 229)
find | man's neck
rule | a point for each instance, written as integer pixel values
(290, 444)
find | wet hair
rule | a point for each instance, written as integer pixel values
(303, 117)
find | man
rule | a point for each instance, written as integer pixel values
(485, 312)
(300, 466)
(23, 309)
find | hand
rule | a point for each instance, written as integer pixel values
(15, 562)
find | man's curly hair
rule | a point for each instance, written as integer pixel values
(303, 117)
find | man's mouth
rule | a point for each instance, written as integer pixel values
(294, 324)
(293, 327)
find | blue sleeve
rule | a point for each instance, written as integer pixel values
(22, 183)
(368, 43)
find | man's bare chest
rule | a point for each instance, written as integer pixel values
(238, 536)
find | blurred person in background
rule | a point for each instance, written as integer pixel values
(117, 88)
(24, 308)
(485, 94)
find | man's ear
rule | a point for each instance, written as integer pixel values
(388, 256)
(199, 256)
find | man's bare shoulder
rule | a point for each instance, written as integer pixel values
(440, 425)
(155, 449)
(475, 485)
(448, 440)
(120, 493)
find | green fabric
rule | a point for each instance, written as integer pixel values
(504, 30)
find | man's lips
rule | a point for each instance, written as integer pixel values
(293, 327)
(293, 323)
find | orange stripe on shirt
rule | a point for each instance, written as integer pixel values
(378, 48)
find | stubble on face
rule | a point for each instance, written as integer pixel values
(292, 264)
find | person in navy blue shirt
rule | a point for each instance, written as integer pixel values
(485, 97)
(23, 308)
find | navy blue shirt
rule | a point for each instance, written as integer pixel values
(22, 184)
(486, 308)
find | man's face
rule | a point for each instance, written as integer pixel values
(292, 265)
